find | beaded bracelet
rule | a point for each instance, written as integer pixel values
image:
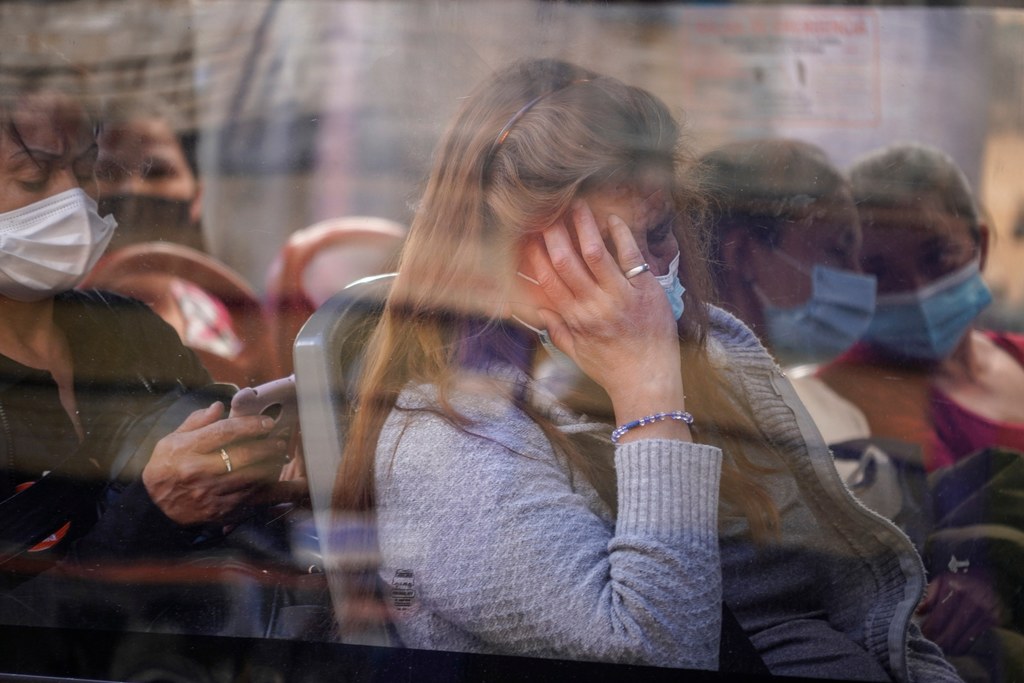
(680, 415)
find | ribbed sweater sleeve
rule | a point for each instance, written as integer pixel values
(664, 494)
(668, 515)
(506, 551)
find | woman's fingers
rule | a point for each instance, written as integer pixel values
(590, 262)
(544, 275)
(604, 267)
(558, 331)
(626, 247)
(564, 269)
(565, 262)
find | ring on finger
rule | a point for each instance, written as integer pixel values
(637, 270)
(226, 458)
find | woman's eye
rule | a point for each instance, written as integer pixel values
(34, 184)
(946, 258)
(660, 233)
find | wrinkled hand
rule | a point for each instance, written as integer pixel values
(187, 478)
(957, 608)
(619, 331)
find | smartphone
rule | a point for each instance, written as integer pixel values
(275, 399)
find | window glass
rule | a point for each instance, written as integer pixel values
(258, 156)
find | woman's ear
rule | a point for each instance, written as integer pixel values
(984, 236)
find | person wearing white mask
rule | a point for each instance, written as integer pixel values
(147, 175)
(784, 239)
(74, 363)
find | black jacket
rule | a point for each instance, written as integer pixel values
(125, 360)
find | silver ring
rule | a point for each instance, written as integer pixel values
(227, 460)
(633, 272)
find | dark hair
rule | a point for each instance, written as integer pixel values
(761, 187)
(907, 175)
(64, 84)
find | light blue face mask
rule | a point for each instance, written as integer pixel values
(835, 316)
(674, 289)
(928, 323)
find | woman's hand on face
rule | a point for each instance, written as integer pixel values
(188, 478)
(619, 331)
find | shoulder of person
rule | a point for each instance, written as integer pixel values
(100, 301)
(730, 330)
(101, 312)
(730, 339)
(863, 366)
(478, 397)
(133, 328)
(476, 408)
(96, 314)
(1010, 342)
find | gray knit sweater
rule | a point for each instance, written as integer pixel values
(489, 542)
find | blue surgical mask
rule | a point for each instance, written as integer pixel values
(928, 323)
(674, 289)
(835, 316)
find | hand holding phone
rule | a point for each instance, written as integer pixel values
(275, 399)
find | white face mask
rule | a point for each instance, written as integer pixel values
(48, 246)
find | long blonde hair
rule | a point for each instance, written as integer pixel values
(492, 184)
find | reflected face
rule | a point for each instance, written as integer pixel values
(830, 236)
(144, 157)
(51, 149)
(906, 249)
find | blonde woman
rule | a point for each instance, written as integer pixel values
(75, 366)
(554, 222)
